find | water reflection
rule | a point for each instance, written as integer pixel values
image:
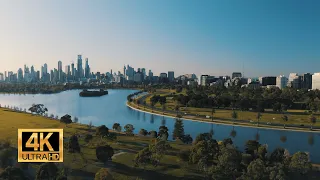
(144, 117)
(233, 133)
(152, 119)
(283, 139)
(163, 121)
(257, 136)
(311, 139)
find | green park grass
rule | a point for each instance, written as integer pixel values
(85, 166)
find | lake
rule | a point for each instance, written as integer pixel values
(112, 108)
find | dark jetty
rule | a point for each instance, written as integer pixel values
(86, 93)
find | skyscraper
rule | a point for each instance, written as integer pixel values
(87, 69)
(171, 76)
(20, 75)
(282, 81)
(79, 68)
(72, 71)
(60, 71)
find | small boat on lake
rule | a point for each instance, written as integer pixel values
(86, 93)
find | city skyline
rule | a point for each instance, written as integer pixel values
(215, 38)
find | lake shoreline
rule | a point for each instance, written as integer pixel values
(226, 123)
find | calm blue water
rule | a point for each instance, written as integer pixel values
(112, 108)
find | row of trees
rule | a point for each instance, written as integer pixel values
(247, 98)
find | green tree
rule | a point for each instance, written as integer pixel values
(212, 112)
(104, 153)
(234, 116)
(300, 163)
(277, 155)
(47, 171)
(262, 152)
(251, 147)
(178, 130)
(39, 109)
(144, 105)
(102, 131)
(285, 118)
(259, 115)
(143, 157)
(228, 165)
(103, 174)
(88, 138)
(5, 157)
(153, 134)
(163, 108)
(143, 132)
(73, 144)
(115, 126)
(129, 129)
(66, 119)
(13, 173)
(177, 108)
(163, 133)
(313, 120)
(256, 170)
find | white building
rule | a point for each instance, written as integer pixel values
(293, 80)
(203, 80)
(316, 81)
(281, 81)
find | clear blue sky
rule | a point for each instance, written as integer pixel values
(269, 37)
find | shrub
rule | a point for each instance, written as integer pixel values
(88, 138)
(143, 132)
(103, 174)
(104, 153)
(102, 131)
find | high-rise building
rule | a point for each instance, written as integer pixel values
(281, 81)
(73, 71)
(171, 76)
(143, 71)
(87, 69)
(306, 81)
(124, 70)
(79, 68)
(316, 81)
(1, 77)
(203, 80)
(20, 75)
(270, 80)
(163, 75)
(60, 78)
(294, 80)
(38, 76)
(236, 75)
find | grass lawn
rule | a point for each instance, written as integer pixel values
(86, 166)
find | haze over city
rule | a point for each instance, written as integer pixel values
(210, 37)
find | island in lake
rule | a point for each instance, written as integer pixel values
(86, 93)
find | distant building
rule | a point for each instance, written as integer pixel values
(281, 81)
(171, 76)
(236, 75)
(163, 75)
(60, 76)
(270, 80)
(294, 81)
(306, 81)
(1, 77)
(316, 81)
(20, 75)
(79, 67)
(203, 80)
